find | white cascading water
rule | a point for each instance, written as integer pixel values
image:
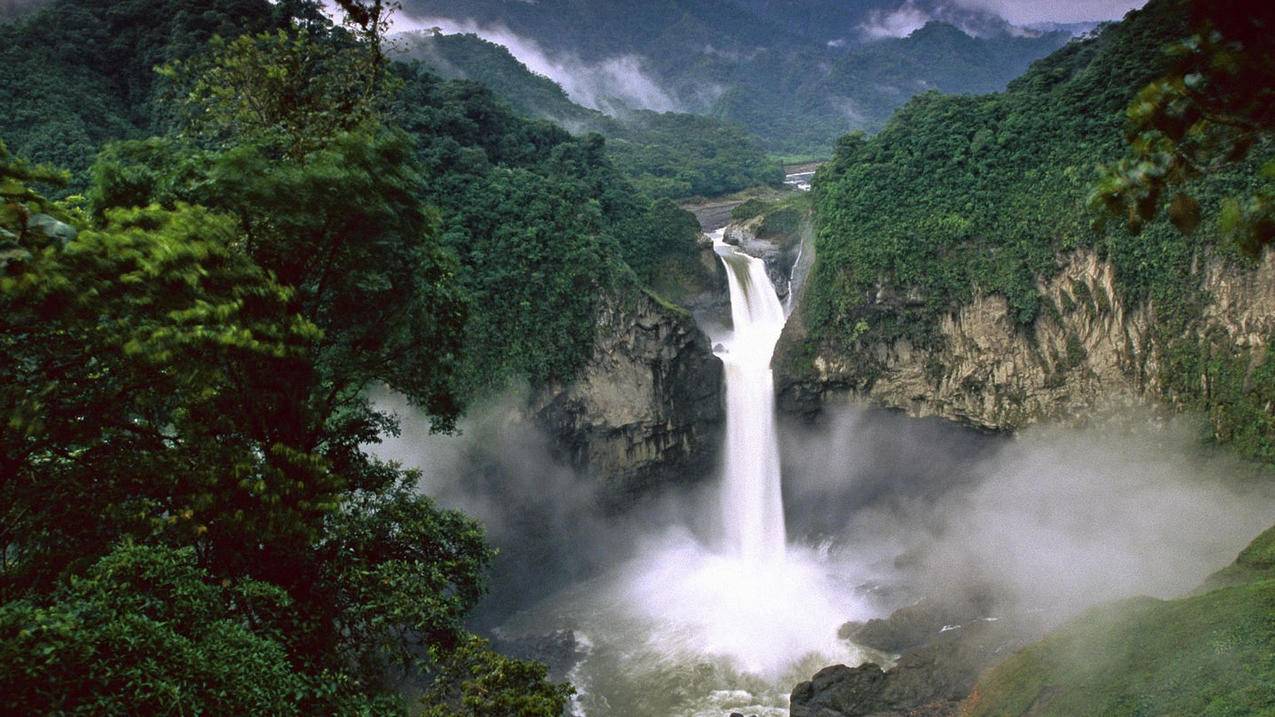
(696, 628)
(752, 499)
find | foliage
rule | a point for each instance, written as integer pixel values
(479, 682)
(469, 57)
(146, 631)
(678, 155)
(665, 155)
(1209, 654)
(183, 364)
(311, 91)
(542, 223)
(123, 356)
(1209, 110)
(76, 73)
(965, 194)
(399, 575)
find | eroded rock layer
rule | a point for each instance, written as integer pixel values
(1088, 351)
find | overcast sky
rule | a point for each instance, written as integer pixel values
(1027, 12)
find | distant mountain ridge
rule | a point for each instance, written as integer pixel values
(796, 74)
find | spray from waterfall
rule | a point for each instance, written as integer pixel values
(745, 612)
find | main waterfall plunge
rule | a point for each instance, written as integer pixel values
(752, 499)
(720, 615)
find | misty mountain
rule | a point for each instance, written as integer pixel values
(600, 29)
(469, 57)
(665, 154)
(796, 74)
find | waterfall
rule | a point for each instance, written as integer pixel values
(700, 625)
(752, 501)
(792, 275)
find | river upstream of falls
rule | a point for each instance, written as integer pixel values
(707, 627)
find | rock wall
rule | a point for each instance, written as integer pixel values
(780, 251)
(1087, 352)
(647, 408)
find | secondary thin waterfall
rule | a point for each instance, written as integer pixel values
(752, 501)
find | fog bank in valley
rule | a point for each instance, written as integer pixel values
(1053, 520)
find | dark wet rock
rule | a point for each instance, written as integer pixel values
(927, 681)
(918, 623)
(839, 690)
(715, 214)
(647, 409)
(779, 252)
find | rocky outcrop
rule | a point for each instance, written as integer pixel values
(929, 681)
(943, 644)
(647, 408)
(1088, 351)
(779, 250)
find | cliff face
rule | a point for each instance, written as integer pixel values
(1086, 352)
(647, 408)
(787, 253)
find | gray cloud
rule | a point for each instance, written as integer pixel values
(1029, 12)
(981, 17)
(900, 22)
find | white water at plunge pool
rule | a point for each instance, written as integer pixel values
(697, 627)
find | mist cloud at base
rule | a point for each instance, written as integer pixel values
(547, 519)
(1053, 520)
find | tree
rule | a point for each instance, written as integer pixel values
(290, 91)
(184, 363)
(128, 355)
(146, 631)
(476, 681)
(1211, 109)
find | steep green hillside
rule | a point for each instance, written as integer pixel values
(469, 57)
(1211, 654)
(959, 195)
(75, 73)
(541, 220)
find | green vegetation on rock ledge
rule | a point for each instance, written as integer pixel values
(966, 195)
